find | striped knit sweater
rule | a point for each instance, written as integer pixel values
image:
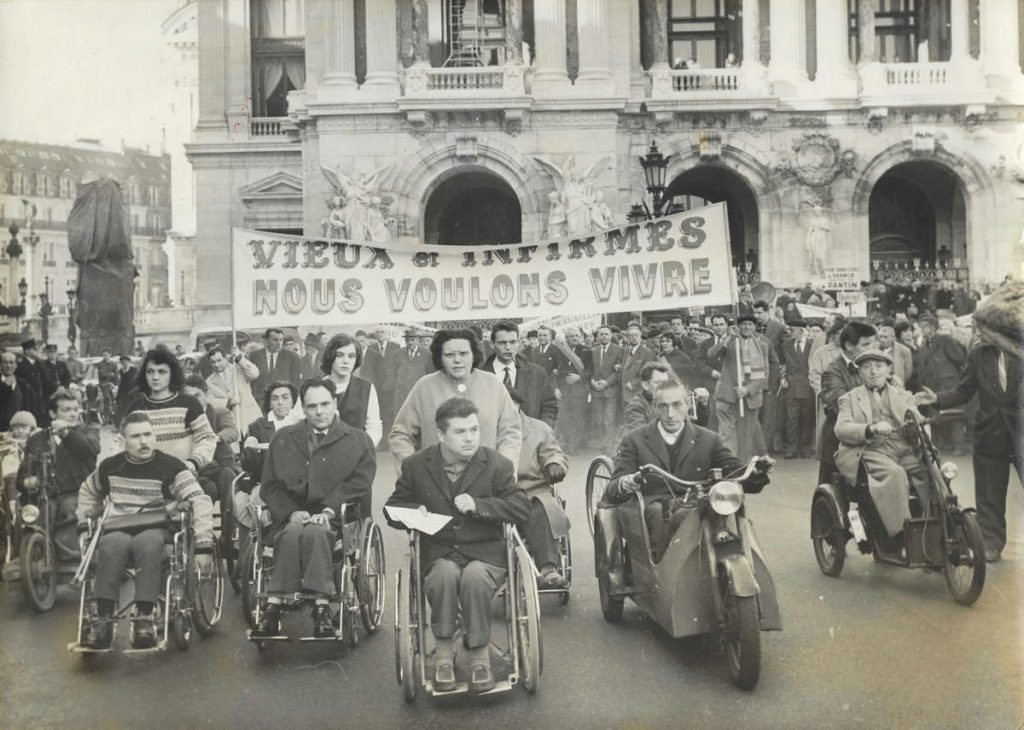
(181, 427)
(131, 485)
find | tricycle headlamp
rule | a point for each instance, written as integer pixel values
(29, 514)
(949, 470)
(726, 497)
(31, 483)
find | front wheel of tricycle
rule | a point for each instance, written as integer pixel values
(598, 476)
(38, 571)
(611, 606)
(964, 567)
(743, 640)
(827, 534)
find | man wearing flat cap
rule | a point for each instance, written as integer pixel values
(411, 365)
(938, 362)
(868, 429)
(796, 391)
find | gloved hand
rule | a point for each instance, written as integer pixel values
(554, 472)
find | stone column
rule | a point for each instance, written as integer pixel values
(211, 66)
(960, 31)
(381, 49)
(595, 47)
(238, 67)
(513, 32)
(340, 45)
(788, 66)
(1000, 50)
(661, 76)
(835, 76)
(420, 33)
(751, 33)
(550, 76)
(866, 33)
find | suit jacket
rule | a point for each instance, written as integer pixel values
(726, 388)
(902, 363)
(998, 419)
(408, 369)
(629, 374)
(550, 360)
(606, 367)
(855, 416)
(32, 375)
(298, 474)
(836, 381)
(939, 362)
(701, 450)
(534, 385)
(488, 479)
(72, 460)
(287, 367)
(639, 412)
(775, 331)
(682, 365)
(19, 398)
(704, 364)
(797, 369)
(381, 368)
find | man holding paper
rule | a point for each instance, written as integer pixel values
(463, 562)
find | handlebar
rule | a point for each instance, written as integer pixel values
(756, 463)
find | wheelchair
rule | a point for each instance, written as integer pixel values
(522, 649)
(564, 562)
(358, 567)
(189, 602)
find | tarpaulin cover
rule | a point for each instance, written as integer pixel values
(100, 241)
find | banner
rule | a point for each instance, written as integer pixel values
(681, 260)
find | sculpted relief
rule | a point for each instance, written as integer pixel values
(577, 206)
(356, 211)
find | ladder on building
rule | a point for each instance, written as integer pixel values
(472, 33)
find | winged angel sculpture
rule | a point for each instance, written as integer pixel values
(577, 207)
(356, 210)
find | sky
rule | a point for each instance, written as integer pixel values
(84, 68)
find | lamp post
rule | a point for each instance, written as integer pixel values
(14, 250)
(655, 166)
(72, 328)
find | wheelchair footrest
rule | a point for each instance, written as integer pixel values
(337, 637)
(279, 637)
(159, 646)
(77, 648)
(463, 688)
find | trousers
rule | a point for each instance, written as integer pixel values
(742, 435)
(799, 425)
(449, 588)
(991, 481)
(302, 560)
(537, 533)
(116, 550)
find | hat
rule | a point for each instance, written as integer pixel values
(313, 339)
(51, 348)
(872, 355)
(23, 418)
(746, 318)
(930, 319)
(412, 333)
(123, 358)
(28, 345)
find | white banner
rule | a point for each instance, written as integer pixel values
(681, 260)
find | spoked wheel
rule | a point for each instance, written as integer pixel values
(371, 582)
(531, 649)
(742, 638)
(828, 536)
(405, 640)
(248, 573)
(611, 606)
(565, 549)
(38, 571)
(964, 568)
(181, 631)
(598, 476)
(346, 612)
(207, 594)
(230, 553)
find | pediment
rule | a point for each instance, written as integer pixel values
(279, 186)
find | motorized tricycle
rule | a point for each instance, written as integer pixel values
(940, 535)
(48, 551)
(712, 576)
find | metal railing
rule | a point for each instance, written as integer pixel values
(916, 74)
(706, 79)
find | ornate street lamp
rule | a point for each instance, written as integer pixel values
(655, 166)
(637, 214)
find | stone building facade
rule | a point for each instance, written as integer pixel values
(868, 134)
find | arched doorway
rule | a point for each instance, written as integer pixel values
(917, 216)
(705, 184)
(472, 207)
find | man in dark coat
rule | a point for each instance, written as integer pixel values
(411, 366)
(463, 564)
(635, 356)
(549, 356)
(838, 379)
(938, 362)
(773, 413)
(126, 390)
(527, 378)
(311, 469)
(573, 406)
(274, 363)
(15, 392)
(606, 360)
(640, 411)
(380, 367)
(797, 393)
(30, 371)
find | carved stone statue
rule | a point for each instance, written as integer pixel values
(577, 201)
(356, 210)
(819, 238)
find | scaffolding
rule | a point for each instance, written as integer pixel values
(473, 35)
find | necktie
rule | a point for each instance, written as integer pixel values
(600, 359)
(273, 357)
(1002, 370)
(319, 437)
(508, 378)
(853, 369)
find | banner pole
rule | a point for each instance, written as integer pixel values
(234, 334)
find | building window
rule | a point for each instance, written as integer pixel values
(906, 31)
(278, 54)
(704, 30)
(40, 184)
(4, 181)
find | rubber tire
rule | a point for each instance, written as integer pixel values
(249, 599)
(405, 643)
(743, 646)
(600, 467)
(347, 613)
(611, 606)
(207, 618)
(970, 530)
(181, 632)
(231, 560)
(823, 509)
(529, 642)
(40, 601)
(372, 597)
(567, 571)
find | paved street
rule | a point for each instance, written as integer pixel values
(878, 647)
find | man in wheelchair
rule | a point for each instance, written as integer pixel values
(311, 469)
(870, 438)
(680, 447)
(464, 563)
(133, 481)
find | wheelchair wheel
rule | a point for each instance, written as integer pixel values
(964, 567)
(611, 606)
(565, 552)
(181, 631)
(828, 535)
(207, 595)
(598, 476)
(248, 572)
(371, 579)
(38, 571)
(405, 638)
(528, 638)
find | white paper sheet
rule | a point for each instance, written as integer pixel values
(428, 524)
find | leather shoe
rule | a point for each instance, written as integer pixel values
(270, 621)
(143, 632)
(444, 676)
(481, 679)
(323, 622)
(551, 579)
(99, 635)
(992, 555)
